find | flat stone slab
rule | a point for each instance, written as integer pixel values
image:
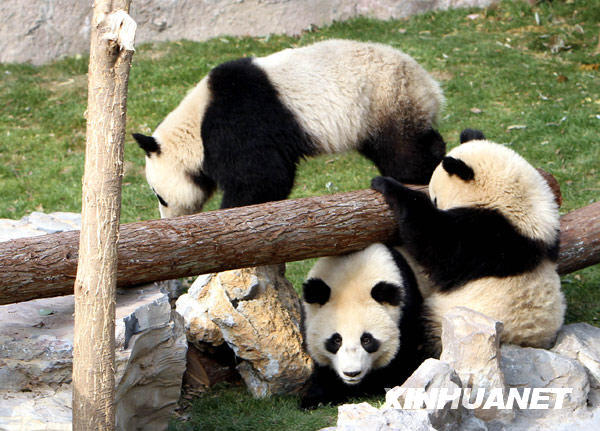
(36, 348)
(38, 223)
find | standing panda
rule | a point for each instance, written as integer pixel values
(248, 123)
(487, 238)
(361, 325)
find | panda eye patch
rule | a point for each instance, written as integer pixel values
(316, 291)
(333, 343)
(369, 343)
(388, 293)
(435, 202)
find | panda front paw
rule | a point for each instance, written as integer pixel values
(309, 403)
(380, 184)
(322, 390)
(393, 192)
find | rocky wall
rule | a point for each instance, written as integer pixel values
(39, 31)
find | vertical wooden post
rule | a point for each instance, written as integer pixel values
(111, 50)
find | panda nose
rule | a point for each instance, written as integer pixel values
(352, 373)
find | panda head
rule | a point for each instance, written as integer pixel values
(179, 186)
(482, 174)
(174, 157)
(352, 308)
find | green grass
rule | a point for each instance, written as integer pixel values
(513, 70)
(233, 409)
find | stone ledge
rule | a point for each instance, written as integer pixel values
(36, 31)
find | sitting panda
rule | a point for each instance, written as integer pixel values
(248, 123)
(487, 238)
(361, 325)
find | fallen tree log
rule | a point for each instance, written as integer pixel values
(579, 239)
(270, 233)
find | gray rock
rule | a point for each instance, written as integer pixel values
(38, 223)
(431, 374)
(434, 375)
(363, 416)
(581, 342)
(36, 344)
(554, 420)
(360, 417)
(72, 218)
(11, 229)
(37, 410)
(149, 386)
(470, 345)
(49, 223)
(538, 368)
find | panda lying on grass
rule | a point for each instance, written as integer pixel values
(487, 239)
(248, 123)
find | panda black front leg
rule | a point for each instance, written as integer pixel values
(390, 189)
(417, 219)
(324, 387)
(399, 197)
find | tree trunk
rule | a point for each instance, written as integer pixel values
(248, 236)
(96, 280)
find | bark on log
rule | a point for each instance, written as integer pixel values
(579, 239)
(111, 49)
(239, 237)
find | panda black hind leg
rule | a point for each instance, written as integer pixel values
(407, 156)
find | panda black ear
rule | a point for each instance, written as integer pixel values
(316, 291)
(389, 293)
(471, 135)
(147, 143)
(459, 168)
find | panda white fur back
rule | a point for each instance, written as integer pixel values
(487, 238)
(350, 90)
(361, 324)
(246, 125)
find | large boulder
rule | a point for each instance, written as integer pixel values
(36, 361)
(471, 346)
(538, 368)
(257, 313)
(439, 384)
(581, 341)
